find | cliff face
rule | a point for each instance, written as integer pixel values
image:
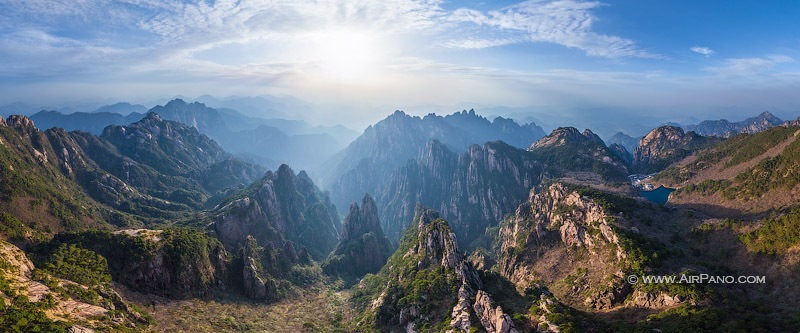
(664, 146)
(428, 268)
(174, 263)
(369, 161)
(472, 190)
(550, 223)
(575, 246)
(280, 207)
(577, 242)
(362, 246)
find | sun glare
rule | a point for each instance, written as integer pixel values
(346, 55)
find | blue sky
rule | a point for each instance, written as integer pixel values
(558, 61)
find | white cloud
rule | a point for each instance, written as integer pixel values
(702, 50)
(566, 22)
(479, 43)
(750, 65)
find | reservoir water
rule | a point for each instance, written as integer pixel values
(659, 195)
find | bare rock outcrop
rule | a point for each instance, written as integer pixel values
(492, 317)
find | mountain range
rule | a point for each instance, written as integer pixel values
(453, 223)
(725, 129)
(269, 142)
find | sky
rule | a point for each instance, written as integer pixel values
(604, 63)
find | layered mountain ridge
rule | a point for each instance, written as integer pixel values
(725, 129)
(366, 164)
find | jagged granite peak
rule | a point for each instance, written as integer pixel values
(362, 220)
(665, 145)
(429, 252)
(3, 122)
(21, 123)
(566, 135)
(491, 316)
(254, 286)
(362, 246)
(725, 129)
(560, 217)
(170, 147)
(280, 207)
(366, 165)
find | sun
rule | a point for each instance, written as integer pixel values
(346, 55)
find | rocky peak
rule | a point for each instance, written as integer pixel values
(436, 240)
(556, 211)
(663, 135)
(3, 122)
(281, 206)
(178, 102)
(768, 117)
(361, 220)
(362, 247)
(152, 116)
(429, 249)
(491, 316)
(434, 155)
(285, 178)
(665, 145)
(593, 137)
(22, 123)
(566, 135)
(724, 128)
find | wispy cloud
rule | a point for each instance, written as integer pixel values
(566, 22)
(479, 43)
(702, 50)
(750, 65)
(151, 34)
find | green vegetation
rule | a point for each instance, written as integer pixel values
(428, 287)
(643, 252)
(688, 291)
(581, 157)
(744, 148)
(187, 254)
(771, 173)
(30, 184)
(706, 187)
(23, 316)
(740, 148)
(567, 319)
(612, 204)
(79, 265)
(14, 229)
(776, 234)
